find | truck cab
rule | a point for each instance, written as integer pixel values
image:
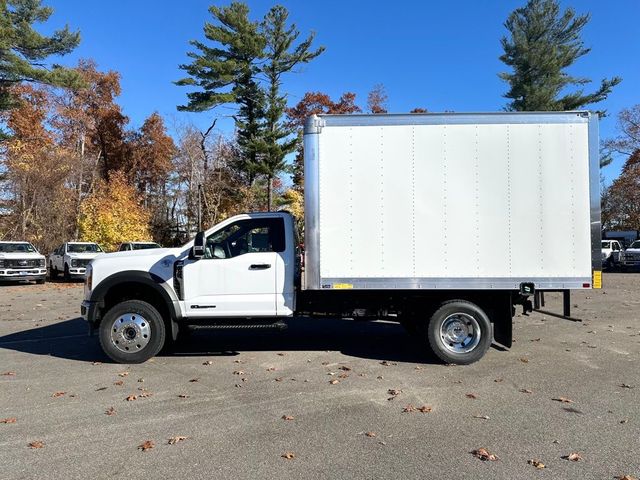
(243, 268)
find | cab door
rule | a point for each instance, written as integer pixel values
(237, 275)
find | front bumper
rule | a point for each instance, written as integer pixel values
(631, 263)
(77, 271)
(12, 274)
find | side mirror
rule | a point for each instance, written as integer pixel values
(197, 251)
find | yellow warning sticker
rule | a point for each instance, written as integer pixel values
(342, 286)
(597, 279)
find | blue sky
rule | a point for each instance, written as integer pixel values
(431, 54)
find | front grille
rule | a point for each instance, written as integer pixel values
(80, 262)
(19, 263)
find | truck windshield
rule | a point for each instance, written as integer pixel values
(83, 248)
(18, 247)
(606, 244)
(635, 244)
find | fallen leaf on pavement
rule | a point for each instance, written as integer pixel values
(424, 409)
(141, 380)
(562, 400)
(288, 455)
(36, 444)
(343, 375)
(111, 411)
(346, 369)
(287, 417)
(9, 420)
(627, 477)
(101, 389)
(482, 417)
(238, 372)
(94, 363)
(194, 380)
(118, 383)
(409, 409)
(386, 363)
(131, 398)
(279, 379)
(484, 455)
(524, 360)
(58, 394)
(536, 463)
(472, 396)
(176, 439)
(624, 385)
(498, 380)
(123, 374)
(147, 445)
(271, 369)
(9, 374)
(371, 434)
(573, 456)
(333, 382)
(183, 395)
(281, 354)
(525, 390)
(394, 393)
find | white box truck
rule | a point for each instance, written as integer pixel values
(443, 222)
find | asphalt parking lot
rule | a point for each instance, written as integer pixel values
(341, 399)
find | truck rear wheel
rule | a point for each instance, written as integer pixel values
(132, 331)
(459, 332)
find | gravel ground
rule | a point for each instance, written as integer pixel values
(565, 387)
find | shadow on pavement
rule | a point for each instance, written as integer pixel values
(372, 340)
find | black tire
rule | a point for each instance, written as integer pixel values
(124, 312)
(40, 281)
(53, 273)
(67, 275)
(474, 318)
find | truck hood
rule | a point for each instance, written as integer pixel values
(157, 261)
(633, 250)
(21, 255)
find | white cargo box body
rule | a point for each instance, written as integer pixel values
(452, 201)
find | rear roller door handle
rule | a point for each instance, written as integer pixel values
(260, 266)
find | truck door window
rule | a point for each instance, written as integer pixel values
(246, 236)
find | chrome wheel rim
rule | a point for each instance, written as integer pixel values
(460, 333)
(130, 333)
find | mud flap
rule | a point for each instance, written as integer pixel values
(503, 323)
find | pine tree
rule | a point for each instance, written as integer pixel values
(226, 73)
(543, 43)
(282, 57)
(23, 50)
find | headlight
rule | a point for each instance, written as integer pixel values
(41, 263)
(74, 262)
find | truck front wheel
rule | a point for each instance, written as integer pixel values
(459, 332)
(132, 331)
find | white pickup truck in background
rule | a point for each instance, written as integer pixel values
(611, 253)
(72, 258)
(631, 256)
(21, 261)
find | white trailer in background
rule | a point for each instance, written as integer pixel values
(443, 222)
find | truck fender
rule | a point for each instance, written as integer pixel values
(145, 278)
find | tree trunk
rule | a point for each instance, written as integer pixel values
(269, 192)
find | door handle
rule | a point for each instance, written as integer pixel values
(260, 266)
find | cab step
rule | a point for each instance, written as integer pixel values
(240, 326)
